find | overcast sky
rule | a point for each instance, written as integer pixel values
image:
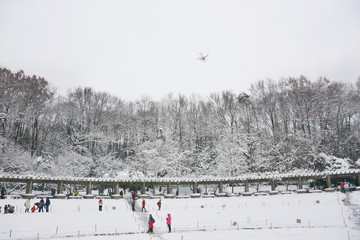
(150, 47)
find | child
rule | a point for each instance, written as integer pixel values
(151, 224)
(33, 209)
(151, 227)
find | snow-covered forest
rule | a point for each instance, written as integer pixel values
(277, 126)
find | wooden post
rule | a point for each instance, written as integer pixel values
(195, 186)
(169, 188)
(221, 190)
(246, 186)
(88, 189)
(29, 184)
(116, 188)
(60, 187)
(143, 187)
(300, 183)
(272, 185)
(328, 181)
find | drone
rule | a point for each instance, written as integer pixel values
(203, 57)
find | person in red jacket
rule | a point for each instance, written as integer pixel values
(159, 204)
(151, 224)
(151, 227)
(342, 186)
(100, 205)
(143, 205)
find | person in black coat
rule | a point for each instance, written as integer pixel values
(41, 205)
(133, 205)
(47, 204)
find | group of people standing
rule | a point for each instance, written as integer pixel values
(151, 218)
(38, 205)
(152, 221)
(8, 209)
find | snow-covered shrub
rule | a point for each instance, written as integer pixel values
(334, 163)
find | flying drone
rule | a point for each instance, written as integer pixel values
(203, 57)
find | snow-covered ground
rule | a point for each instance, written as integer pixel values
(291, 216)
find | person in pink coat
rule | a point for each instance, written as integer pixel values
(168, 221)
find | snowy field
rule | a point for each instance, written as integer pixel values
(330, 216)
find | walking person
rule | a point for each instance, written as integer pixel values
(143, 205)
(110, 192)
(41, 205)
(159, 204)
(133, 205)
(133, 195)
(27, 205)
(151, 224)
(342, 186)
(100, 204)
(168, 221)
(47, 204)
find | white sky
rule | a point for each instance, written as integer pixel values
(150, 47)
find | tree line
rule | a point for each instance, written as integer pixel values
(277, 126)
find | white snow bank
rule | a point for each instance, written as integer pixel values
(321, 216)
